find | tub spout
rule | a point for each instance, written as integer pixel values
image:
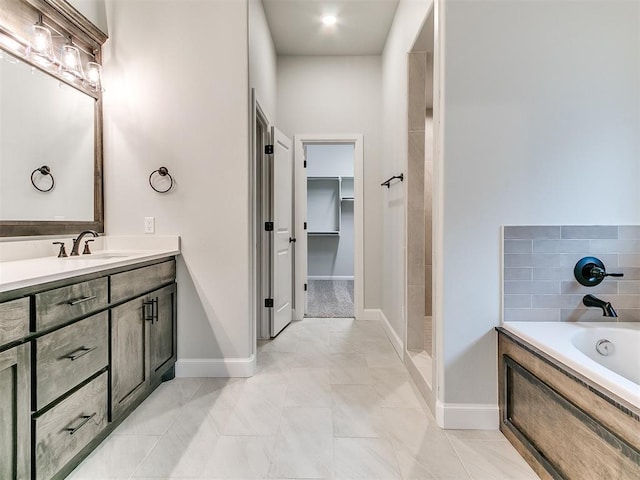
(607, 308)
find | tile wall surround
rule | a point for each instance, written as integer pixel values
(538, 281)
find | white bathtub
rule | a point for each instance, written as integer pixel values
(574, 344)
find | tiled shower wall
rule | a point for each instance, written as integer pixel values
(538, 272)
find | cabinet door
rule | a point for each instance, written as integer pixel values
(162, 331)
(129, 353)
(15, 440)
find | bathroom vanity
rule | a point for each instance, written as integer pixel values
(79, 353)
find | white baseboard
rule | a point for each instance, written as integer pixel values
(370, 314)
(216, 367)
(395, 340)
(329, 277)
(467, 416)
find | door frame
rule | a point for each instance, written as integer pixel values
(300, 213)
(259, 246)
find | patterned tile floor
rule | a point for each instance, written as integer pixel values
(330, 400)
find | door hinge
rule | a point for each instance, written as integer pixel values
(305, 287)
(305, 164)
(305, 225)
(268, 149)
(268, 226)
(268, 302)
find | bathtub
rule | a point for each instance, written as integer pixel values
(569, 410)
(574, 344)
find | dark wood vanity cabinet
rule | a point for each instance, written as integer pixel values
(143, 345)
(76, 357)
(15, 413)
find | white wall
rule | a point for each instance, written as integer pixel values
(176, 80)
(542, 126)
(262, 60)
(340, 95)
(408, 20)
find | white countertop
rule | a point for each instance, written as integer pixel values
(108, 253)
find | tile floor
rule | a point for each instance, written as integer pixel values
(330, 400)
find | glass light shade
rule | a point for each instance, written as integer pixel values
(70, 64)
(94, 75)
(40, 47)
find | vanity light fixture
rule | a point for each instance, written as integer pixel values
(329, 20)
(94, 76)
(40, 48)
(70, 63)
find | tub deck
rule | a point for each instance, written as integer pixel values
(563, 423)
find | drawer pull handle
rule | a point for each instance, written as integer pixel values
(81, 352)
(85, 420)
(148, 311)
(82, 300)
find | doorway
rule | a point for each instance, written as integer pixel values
(329, 212)
(330, 199)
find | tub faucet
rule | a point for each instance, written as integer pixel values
(607, 308)
(78, 241)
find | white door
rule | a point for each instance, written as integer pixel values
(281, 258)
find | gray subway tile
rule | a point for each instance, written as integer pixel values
(630, 273)
(551, 273)
(518, 246)
(629, 231)
(621, 302)
(589, 231)
(629, 259)
(531, 287)
(627, 287)
(583, 315)
(561, 246)
(606, 287)
(556, 301)
(531, 314)
(531, 232)
(518, 260)
(517, 301)
(523, 273)
(629, 315)
(627, 245)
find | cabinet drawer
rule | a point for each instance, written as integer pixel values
(64, 430)
(136, 282)
(14, 320)
(61, 305)
(68, 356)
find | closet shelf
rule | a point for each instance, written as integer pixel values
(324, 234)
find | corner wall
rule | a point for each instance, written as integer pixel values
(181, 101)
(407, 23)
(541, 127)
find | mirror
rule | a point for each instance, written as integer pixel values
(50, 125)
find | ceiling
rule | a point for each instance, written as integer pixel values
(361, 28)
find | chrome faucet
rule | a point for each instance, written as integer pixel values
(78, 241)
(607, 308)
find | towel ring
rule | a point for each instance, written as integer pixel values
(44, 171)
(163, 172)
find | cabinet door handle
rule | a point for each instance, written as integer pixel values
(81, 300)
(148, 314)
(81, 352)
(85, 420)
(154, 309)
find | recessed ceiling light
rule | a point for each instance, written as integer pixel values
(329, 20)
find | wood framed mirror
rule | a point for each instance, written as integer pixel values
(49, 119)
